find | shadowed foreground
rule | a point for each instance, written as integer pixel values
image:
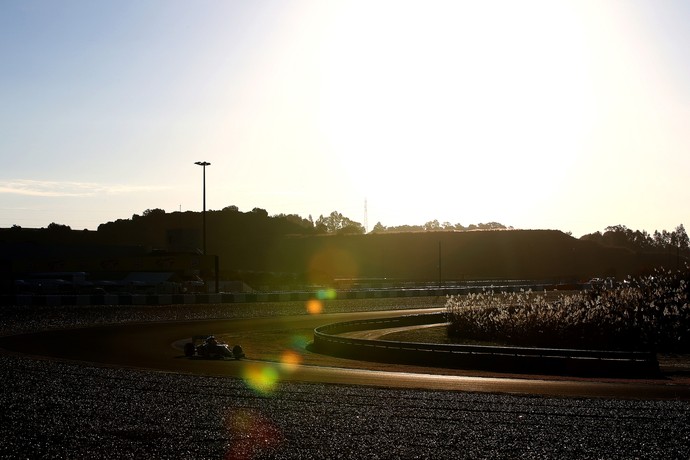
(53, 409)
(63, 410)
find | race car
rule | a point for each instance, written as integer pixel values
(206, 346)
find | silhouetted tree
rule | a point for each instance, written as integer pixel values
(53, 227)
(660, 241)
(432, 226)
(295, 219)
(153, 212)
(404, 229)
(378, 228)
(492, 226)
(352, 228)
(337, 223)
(435, 226)
(682, 240)
(261, 212)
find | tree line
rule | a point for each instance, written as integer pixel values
(335, 223)
(620, 236)
(258, 246)
(338, 224)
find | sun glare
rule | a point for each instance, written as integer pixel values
(461, 91)
(480, 110)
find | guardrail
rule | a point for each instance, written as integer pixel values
(495, 358)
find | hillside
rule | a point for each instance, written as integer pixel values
(260, 249)
(513, 254)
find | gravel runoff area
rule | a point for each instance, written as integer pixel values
(52, 409)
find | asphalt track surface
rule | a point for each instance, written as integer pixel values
(156, 346)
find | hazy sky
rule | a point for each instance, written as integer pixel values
(535, 114)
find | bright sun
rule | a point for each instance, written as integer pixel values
(413, 89)
(469, 110)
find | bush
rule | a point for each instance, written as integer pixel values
(649, 313)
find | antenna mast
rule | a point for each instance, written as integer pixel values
(366, 217)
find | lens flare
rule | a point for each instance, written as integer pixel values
(326, 294)
(299, 342)
(314, 307)
(261, 377)
(289, 360)
(251, 433)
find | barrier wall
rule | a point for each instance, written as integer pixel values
(495, 358)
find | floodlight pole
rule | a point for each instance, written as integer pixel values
(203, 164)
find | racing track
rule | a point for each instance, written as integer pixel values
(152, 346)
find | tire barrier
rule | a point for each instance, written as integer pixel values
(505, 359)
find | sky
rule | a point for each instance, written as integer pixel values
(569, 115)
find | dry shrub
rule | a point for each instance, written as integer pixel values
(647, 313)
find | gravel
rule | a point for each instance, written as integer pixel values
(54, 409)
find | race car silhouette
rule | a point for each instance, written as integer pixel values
(206, 346)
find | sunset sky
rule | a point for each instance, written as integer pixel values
(535, 114)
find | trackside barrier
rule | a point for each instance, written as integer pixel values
(495, 358)
(287, 296)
